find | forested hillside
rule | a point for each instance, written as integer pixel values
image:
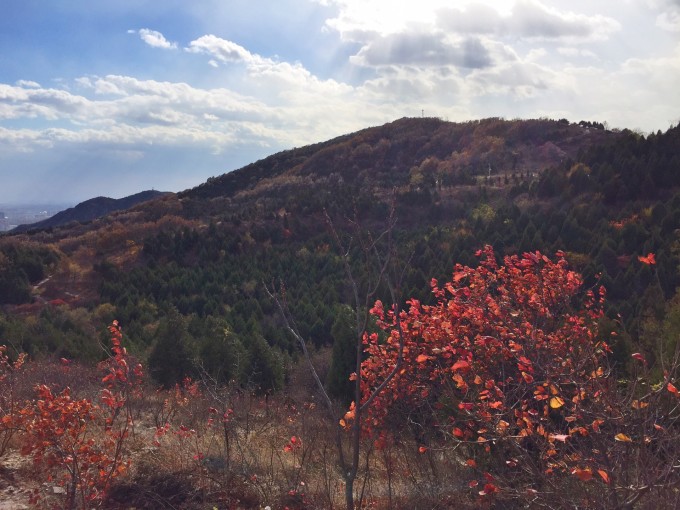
(185, 274)
(534, 361)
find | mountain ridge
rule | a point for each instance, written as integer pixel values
(89, 210)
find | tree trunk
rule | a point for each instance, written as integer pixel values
(349, 493)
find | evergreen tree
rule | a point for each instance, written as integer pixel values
(171, 359)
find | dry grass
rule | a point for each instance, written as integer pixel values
(227, 448)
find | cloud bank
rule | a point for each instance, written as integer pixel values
(210, 102)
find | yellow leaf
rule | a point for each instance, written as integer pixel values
(623, 437)
(636, 404)
(556, 402)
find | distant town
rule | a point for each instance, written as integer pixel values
(12, 215)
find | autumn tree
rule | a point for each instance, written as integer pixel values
(80, 444)
(508, 370)
(10, 420)
(502, 361)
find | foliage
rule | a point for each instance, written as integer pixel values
(10, 423)
(171, 358)
(79, 443)
(508, 368)
(22, 264)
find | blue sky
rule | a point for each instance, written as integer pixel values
(116, 96)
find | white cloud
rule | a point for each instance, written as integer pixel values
(28, 84)
(531, 18)
(156, 39)
(362, 20)
(575, 52)
(424, 49)
(669, 21)
(221, 49)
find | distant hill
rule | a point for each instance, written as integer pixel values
(90, 210)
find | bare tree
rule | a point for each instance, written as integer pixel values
(381, 271)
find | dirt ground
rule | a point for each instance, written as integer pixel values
(14, 494)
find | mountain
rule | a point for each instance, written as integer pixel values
(413, 153)
(195, 263)
(90, 210)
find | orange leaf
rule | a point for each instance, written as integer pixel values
(671, 387)
(636, 404)
(471, 463)
(603, 474)
(583, 474)
(623, 437)
(458, 276)
(556, 402)
(422, 358)
(650, 259)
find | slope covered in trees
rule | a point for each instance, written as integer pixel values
(198, 261)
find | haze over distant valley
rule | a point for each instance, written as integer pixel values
(13, 215)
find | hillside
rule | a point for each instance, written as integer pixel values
(195, 262)
(90, 210)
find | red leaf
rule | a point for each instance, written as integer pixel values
(671, 387)
(489, 488)
(461, 365)
(650, 259)
(639, 357)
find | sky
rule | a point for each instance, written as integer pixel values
(112, 97)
